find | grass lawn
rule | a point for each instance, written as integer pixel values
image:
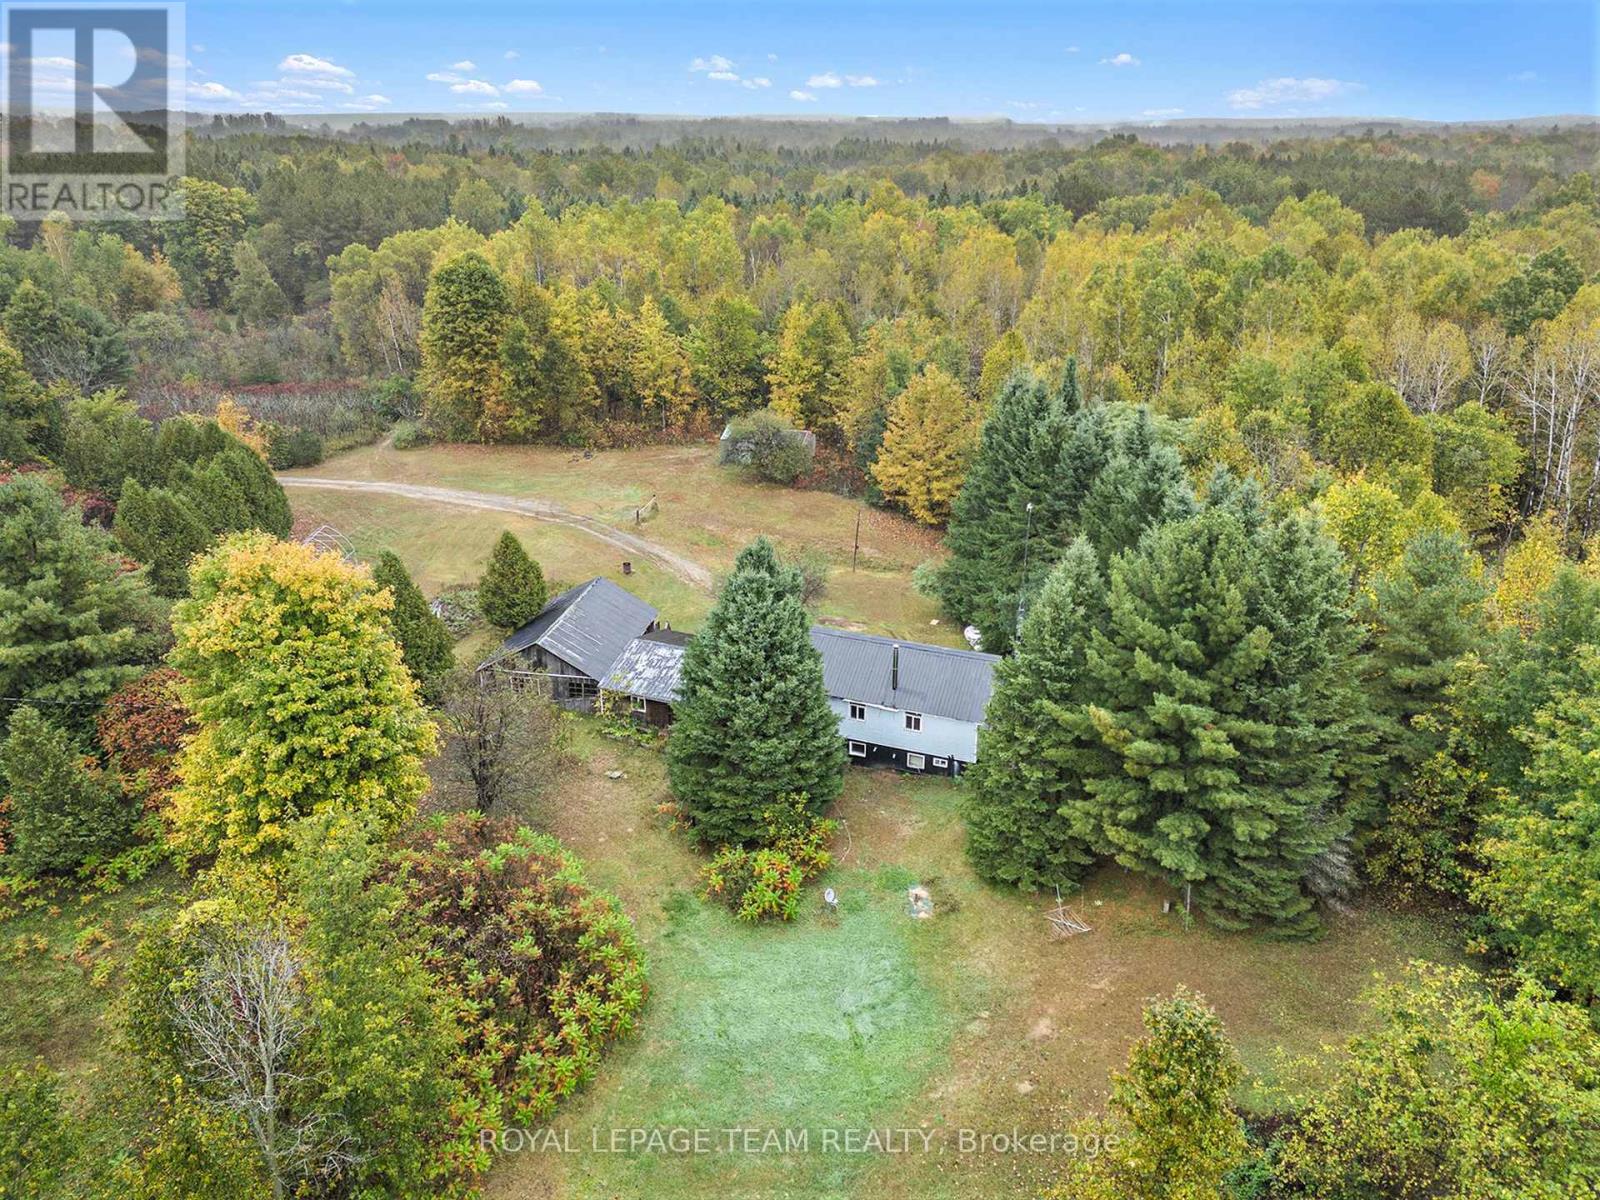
(974, 1019)
(62, 967)
(706, 512)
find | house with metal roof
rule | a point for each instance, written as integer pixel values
(571, 645)
(905, 704)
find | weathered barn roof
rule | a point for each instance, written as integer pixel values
(587, 626)
(649, 667)
(933, 680)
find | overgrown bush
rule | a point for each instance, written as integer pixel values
(546, 971)
(63, 810)
(771, 447)
(764, 883)
(37, 1141)
(408, 435)
(288, 448)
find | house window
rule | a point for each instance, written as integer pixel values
(942, 763)
(857, 749)
(583, 689)
(915, 762)
(914, 722)
(639, 708)
(858, 712)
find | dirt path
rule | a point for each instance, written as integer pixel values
(685, 568)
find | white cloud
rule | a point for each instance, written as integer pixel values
(1121, 60)
(797, 94)
(466, 64)
(724, 76)
(213, 91)
(861, 81)
(198, 47)
(376, 99)
(475, 87)
(772, 58)
(711, 62)
(756, 81)
(497, 104)
(513, 54)
(826, 80)
(309, 64)
(274, 91)
(1272, 92)
(1024, 104)
(1522, 76)
(1161, 113)
(1072, 49)
(523, 87)
(443, 77)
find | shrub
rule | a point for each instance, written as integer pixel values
(545, 970)
(37, 1143)
(771, 447)
(288, 448)
(408, 435)
(141, 728)
(512, 590)
(63, 812)
(765, 882)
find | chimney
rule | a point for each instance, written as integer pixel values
(894, 669)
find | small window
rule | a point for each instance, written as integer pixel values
(858, 749)
(914, 722)
(639, 707)
(858, 712)
(915, 762)
(942, 763)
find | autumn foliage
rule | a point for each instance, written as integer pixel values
(141, 728)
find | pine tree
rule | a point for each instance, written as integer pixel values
(254, 294)
(425, 643)
(1224, 704)
(511, 592)
(1143, 484)
(753, 725)
(1427, 611)
(1023, 791)
(926, 446)
(463, 321)
(30, 416)
(62, 812)
(74, 624)
(1038, 451)
(161, 530)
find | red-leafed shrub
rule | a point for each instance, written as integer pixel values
(141, 728)
(545, 970)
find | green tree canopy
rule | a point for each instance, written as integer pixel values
(512, 591)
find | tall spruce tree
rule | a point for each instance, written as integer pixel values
(74, 623)
(1018, 508)
(162, 530)
(1025, 789)
(425, 643)
(1426, 612)
(511, 592)
(1224, 705)
(753, 723)
(1142, 484)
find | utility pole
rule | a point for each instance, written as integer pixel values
(856, 553)
(1022, 588)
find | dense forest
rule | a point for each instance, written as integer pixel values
(1270, 466)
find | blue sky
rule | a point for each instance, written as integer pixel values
(1031, 62)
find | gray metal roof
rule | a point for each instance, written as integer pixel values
(934, 680)
(587, 626)
(649, 668)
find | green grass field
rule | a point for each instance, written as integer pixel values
(706, 512)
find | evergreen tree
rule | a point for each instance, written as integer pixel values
(1177, 1133)
(254, 294)
(425, 643)
(1038, 451)
(753, 723)
(1223, 705)
(30, 416)
(161, 530)
(1427, 611)
(74, 624)
(926, 445)
(1143, 484)
(62, 812)
(511, 592)
(463, 321)
(1022, 791)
